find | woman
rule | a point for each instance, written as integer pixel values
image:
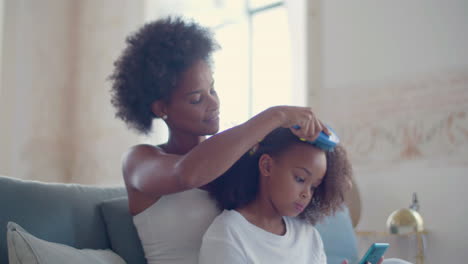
(165, 72)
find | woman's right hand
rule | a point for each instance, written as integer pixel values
(304, 118)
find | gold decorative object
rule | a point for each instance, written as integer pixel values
(406, 220)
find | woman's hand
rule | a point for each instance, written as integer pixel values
(301, 120)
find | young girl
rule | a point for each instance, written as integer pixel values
(271, 198)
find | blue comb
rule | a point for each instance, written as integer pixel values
(324, 141)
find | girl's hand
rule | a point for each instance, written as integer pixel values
(380, 261)
(310, 125)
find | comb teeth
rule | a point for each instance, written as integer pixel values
(324, 141)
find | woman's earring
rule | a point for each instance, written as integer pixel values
(164, 117)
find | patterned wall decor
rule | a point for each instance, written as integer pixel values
(422, 117)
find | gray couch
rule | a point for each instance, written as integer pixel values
(97, 218)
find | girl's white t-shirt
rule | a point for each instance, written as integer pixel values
(233, 239)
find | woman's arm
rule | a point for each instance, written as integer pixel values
(151, 171)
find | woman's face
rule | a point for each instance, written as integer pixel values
(194, 106)
(293, 177)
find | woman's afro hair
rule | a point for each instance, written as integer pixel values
(151, 65)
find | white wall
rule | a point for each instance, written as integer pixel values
(395, 84)
(31, 78)
(99, 138)
(56, 120)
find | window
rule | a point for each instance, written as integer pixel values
(253, 70)
(271, 59)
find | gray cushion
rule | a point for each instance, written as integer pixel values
(25, 248)
(61, 213)
(122, 233)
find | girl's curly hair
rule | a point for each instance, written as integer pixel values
(239, 185)
(151, 65)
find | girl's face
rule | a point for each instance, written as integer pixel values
(194, 106)
(291, 177)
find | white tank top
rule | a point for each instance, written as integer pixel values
(171, 230)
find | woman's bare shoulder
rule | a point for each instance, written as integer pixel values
(134, 162)
(142, 152)
(151, 171)
(138, 155)
(144, 149)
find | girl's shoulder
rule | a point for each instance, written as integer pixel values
(226, 220)
(225, 224)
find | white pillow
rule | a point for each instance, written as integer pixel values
(24, 248)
